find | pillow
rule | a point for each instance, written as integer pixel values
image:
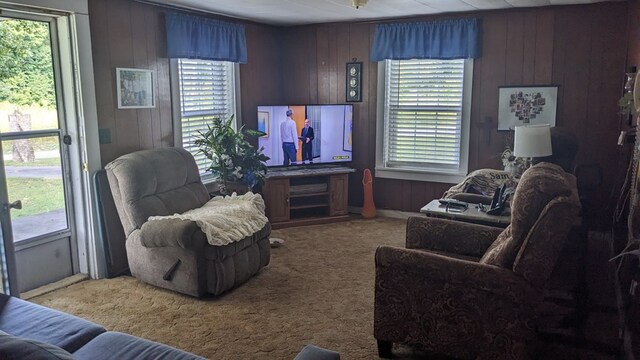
(481, 181)
(13, 347)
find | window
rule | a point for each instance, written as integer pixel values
(423, 119)
(206, 90)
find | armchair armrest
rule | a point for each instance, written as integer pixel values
(171, 233)
(449, 236)
(466, 275)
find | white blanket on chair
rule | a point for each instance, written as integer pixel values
(226, 219)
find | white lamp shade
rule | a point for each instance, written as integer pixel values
(532, 141)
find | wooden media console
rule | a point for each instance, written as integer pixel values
(295, 197)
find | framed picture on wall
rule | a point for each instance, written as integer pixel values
(527, 105)
(263, 123)
(135, 88)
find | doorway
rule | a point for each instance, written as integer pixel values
(37, 214)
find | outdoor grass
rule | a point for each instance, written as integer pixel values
(54, 161)
(47, 143)
(41, 118)
(37, 195)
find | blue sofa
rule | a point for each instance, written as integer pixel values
(28, 330)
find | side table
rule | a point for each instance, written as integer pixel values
(470, 215)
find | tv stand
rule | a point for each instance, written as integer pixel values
(296, 197)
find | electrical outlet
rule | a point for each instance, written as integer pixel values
(104, 136)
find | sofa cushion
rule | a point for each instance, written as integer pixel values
(17, 348)
(24, 319)
(154, 182)
(539, 185)
(115, 345)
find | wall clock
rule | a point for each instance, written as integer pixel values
(354, 82)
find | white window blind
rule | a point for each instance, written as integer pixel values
(206, 90)
(423, 114)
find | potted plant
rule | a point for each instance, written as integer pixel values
(233, 159)
(626, 104)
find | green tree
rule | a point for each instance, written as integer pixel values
(26, 67)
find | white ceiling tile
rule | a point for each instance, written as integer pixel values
(448, 5)
(300, 12)
(529, 3)
(567, 2)
(488, 4)
(573, 2)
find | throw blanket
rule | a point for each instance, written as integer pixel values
(226, 219)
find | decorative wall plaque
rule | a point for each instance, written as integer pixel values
(354, 82)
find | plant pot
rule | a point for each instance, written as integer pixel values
(231, 187)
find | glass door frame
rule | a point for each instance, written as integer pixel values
(60, 31)
(78, 80)
(7, 257)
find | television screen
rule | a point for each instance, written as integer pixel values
(306, 134)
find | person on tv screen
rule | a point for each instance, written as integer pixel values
(307, 138)
(289, 138)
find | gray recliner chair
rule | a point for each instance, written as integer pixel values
(174, 254)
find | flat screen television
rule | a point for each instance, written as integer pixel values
(327, 139)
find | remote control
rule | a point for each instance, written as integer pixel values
(454, 202)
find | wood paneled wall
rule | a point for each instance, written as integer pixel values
(633, 58)
(583, 49)
(260, 80)
(580, 48)
(126, 33)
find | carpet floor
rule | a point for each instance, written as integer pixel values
(318, 289)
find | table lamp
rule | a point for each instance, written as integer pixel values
(532, 141)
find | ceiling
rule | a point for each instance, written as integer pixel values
(300, 12)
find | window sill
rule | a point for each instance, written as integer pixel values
(207, 178)
(209, 182)
(419, 175)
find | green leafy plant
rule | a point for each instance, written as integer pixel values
(233, 158)
(26, 69)
(626, 104)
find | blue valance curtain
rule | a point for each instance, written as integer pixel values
(448, 39)
(196, 37)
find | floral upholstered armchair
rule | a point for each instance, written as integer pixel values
(470, 291)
